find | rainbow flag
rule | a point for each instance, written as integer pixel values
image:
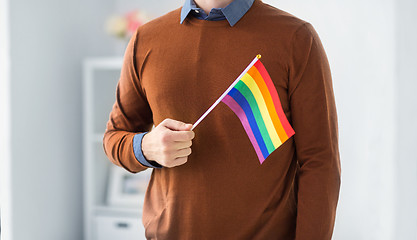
(254, 99)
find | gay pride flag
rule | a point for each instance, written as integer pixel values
(254, 99)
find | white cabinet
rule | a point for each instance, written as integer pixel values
(101, 220)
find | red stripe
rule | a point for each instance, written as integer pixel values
(274, 94)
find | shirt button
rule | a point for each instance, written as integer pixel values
(196, 11)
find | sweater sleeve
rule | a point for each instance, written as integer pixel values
(131, 114)
(314, 119)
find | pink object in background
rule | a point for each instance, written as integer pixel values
(134, 20)
(123, 26)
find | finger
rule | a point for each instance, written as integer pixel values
(182, 145)
(180, 161)
(181, 136)
(176, 125)
(169, 137)
(183, 153)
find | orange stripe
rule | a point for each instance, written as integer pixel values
(253, 71)
(275, 98)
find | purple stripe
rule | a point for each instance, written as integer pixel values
(229, 101)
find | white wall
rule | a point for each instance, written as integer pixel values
(156, 8)
(49, 38)
(406, 223)
(5, 176)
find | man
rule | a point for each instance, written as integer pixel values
(174, 68)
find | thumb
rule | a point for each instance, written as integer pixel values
(176, 125)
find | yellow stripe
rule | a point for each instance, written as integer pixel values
(250, 82)
(256, 75)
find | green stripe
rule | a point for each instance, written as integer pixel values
(246, 92)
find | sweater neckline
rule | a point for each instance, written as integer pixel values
(207, 23)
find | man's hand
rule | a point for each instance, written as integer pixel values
(169, 144)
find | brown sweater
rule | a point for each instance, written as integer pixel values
(177, 71)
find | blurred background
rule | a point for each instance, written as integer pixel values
(47, 48)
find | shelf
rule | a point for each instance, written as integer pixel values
(104, 63)
(117, 211)
(101, 76)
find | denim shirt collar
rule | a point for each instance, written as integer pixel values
(233, 12)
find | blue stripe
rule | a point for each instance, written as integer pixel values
(241, 100)
(248, 95)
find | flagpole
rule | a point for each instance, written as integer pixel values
(226, 92)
